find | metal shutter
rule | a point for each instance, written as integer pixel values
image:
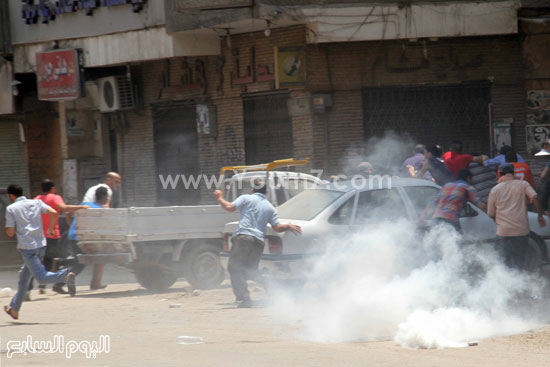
(13, 165)
(431, 114)
(267, 127)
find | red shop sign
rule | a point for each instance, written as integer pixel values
(59, 75)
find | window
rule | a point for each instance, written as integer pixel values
(295, 186)
(280, 194)
(376, 205)
(343, 214)
(421, 196)
(227, 190)
(308, 204)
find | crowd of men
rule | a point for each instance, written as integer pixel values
(507, 202)
(35, 224)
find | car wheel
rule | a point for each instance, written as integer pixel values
(534, 254)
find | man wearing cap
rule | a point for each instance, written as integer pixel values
(248, 240)
(508, 207)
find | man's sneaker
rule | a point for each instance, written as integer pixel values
(28, 296)
(58, 288)
(247, 303)
(71, 284)
(42, 290)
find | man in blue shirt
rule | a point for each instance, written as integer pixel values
(101, 199)
(248, 240)
(501, 158)
(417, 160)
(24, 220)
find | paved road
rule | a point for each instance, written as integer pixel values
(143, 330)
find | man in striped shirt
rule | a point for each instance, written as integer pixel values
(451, 199)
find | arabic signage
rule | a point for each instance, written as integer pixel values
(183, 5)
(59, 75)
(254, 72)
(47, 11)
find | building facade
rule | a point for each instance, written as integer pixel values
(200, 85)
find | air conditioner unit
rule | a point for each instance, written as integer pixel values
(115, 93)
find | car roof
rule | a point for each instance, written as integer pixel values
(375, 182)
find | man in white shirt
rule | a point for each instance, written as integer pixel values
(112, 183)
(24, 220)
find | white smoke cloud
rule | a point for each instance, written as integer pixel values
(431, 291)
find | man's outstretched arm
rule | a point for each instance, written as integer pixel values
(287, 227)
(226, 205)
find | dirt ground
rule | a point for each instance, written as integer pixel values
(144, 328)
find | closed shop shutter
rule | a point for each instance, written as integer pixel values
(267, 128)
(176, 152)
(431, 114)
(13, 165)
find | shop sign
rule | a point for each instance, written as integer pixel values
(59, 75)
(46, 10)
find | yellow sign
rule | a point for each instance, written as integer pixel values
(290, 66)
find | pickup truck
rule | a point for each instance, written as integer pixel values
(161, 244)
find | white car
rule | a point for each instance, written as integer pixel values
(338, 208)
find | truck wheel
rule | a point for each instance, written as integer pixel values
(155, 277)
(202, 267)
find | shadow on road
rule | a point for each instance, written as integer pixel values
(15, 323)
(129, 293)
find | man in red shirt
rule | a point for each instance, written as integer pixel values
(456, 161)
(53, 248)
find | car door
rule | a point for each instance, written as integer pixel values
(476, 224)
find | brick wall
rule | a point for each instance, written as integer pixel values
(341, 69)
(227, 147)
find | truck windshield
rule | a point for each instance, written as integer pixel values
(307, 204)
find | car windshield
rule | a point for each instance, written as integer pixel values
(307, 204)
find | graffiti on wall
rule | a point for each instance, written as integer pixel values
(538, 107)
(536, 134)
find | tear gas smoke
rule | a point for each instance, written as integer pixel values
(385, 154)
(386, 282)
(423, 292)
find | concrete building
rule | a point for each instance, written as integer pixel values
(196, 85)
